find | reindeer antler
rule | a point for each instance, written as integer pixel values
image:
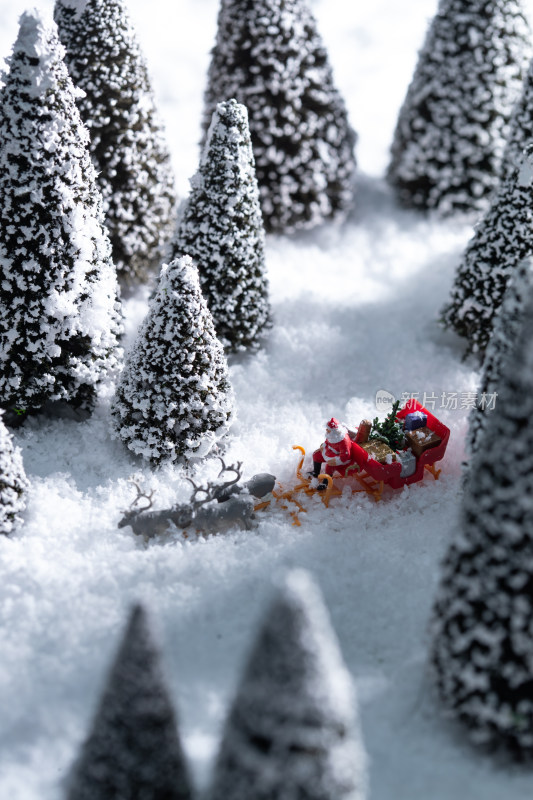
(213, 490)
(232, 468)
(141, 495)
(198, 489)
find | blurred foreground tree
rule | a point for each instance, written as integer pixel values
(482, 651)
(291, 732)
(133, 751)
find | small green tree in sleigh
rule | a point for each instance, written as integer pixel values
(390, 431)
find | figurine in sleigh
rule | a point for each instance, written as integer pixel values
(396, 452)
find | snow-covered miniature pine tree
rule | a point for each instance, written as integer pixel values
(501, 240)
(482, 649)
(60, 318)
(507, 324)
(13, 481)
(127, 139)
(220, 226)
(174, 399)
(520, 126)
(450, 135)
(133, 750)
(291, 732)
(269, 56)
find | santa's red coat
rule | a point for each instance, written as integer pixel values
(337, 455)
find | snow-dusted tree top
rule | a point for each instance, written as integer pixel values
(451, 130)
(507, 324)
(483, 642)
(127, 139)
(174, 399)
(221, 228)
(269, 56)
(13, 481)
(291, 732)
(501, 240)
(133, 750)
(59, 314)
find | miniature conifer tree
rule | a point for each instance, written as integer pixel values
(174, 399)
(451, 130)
(221, 228)
(501, 240)
(507, 324)
(133, 750)
(60, 318)
(520, 126)
(482, 650)
(290, 733)
(13, 481)
(269, 56)
(390, 430)
(127, 139)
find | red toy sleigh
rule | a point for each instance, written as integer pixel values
(390, 473)
(370, 475)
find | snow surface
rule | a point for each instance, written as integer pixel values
(355, 310)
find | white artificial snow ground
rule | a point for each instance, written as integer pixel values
(355, 310)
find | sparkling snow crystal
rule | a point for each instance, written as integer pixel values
(13, 481)
(269, 56)
(60, 318)
(174, 398)
(291, 731)
(483, 619)
(221, 228)
(127, 141)
(133, 750)
(450, 136)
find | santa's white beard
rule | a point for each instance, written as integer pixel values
(336, 435)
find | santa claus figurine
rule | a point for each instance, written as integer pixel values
(335, 452)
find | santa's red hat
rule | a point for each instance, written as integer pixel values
(335, 431)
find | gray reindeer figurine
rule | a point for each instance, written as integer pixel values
(223, 506)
